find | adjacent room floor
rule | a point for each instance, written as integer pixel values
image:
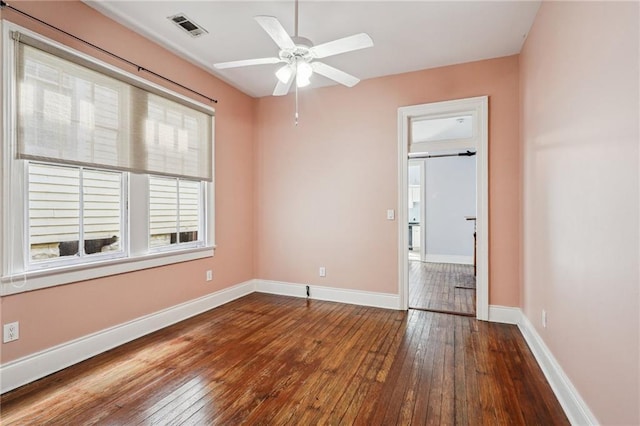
(442, 287)
(279, 360)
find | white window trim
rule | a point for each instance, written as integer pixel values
(14, 276)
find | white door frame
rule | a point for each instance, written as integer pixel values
(423, 211)
(479, 107)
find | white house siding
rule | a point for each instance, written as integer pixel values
(163, 208)
(54, 206)
(102, 209)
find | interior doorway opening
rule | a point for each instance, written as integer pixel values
(444, 256)
(441, 215)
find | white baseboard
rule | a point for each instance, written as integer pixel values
(446, 258)
(32, 367)
(281, 288)
(331, 294)
(505, 314)
(572, 403)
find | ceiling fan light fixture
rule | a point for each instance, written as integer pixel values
(284, 73)
(303, 73)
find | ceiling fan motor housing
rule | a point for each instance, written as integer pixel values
(301, 51)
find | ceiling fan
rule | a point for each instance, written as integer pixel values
(299, 56)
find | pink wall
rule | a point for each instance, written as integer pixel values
(59, 314)
(580, 136)
(323, 188)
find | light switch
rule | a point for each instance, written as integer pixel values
(391, 214)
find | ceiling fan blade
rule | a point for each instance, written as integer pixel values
(276, 31)
(335, 74)
(283, 88)
(342, 45)
(246, 62)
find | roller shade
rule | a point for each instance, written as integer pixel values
(75, 111)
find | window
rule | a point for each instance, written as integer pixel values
(174, 211)
(101, 167)
(70, 204)
(442, 129)
(443, 132)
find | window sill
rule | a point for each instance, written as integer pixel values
(36, 280)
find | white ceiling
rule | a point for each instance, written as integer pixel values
(408, 35)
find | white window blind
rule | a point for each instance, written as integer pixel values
(78, 112)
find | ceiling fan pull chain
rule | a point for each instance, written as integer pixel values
(296, 105)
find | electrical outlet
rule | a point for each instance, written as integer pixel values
(544, 318)
(11, 332)
(209, 275)
(322, 272)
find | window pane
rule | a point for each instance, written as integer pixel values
(440, 129)
(189, 210)
(54, 205)
(163, 211)
(102, 195)
(174, 211)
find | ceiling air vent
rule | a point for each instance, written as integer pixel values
(188, 25)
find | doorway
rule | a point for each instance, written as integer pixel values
(441, 215)
(454, 130)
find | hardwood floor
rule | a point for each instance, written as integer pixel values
(267, 359)
(445, 287)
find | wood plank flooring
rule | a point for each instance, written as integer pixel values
(444, 287)
(267, 359)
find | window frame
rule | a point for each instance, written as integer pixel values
(15, 274)
(188, 244)
(81, 259)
